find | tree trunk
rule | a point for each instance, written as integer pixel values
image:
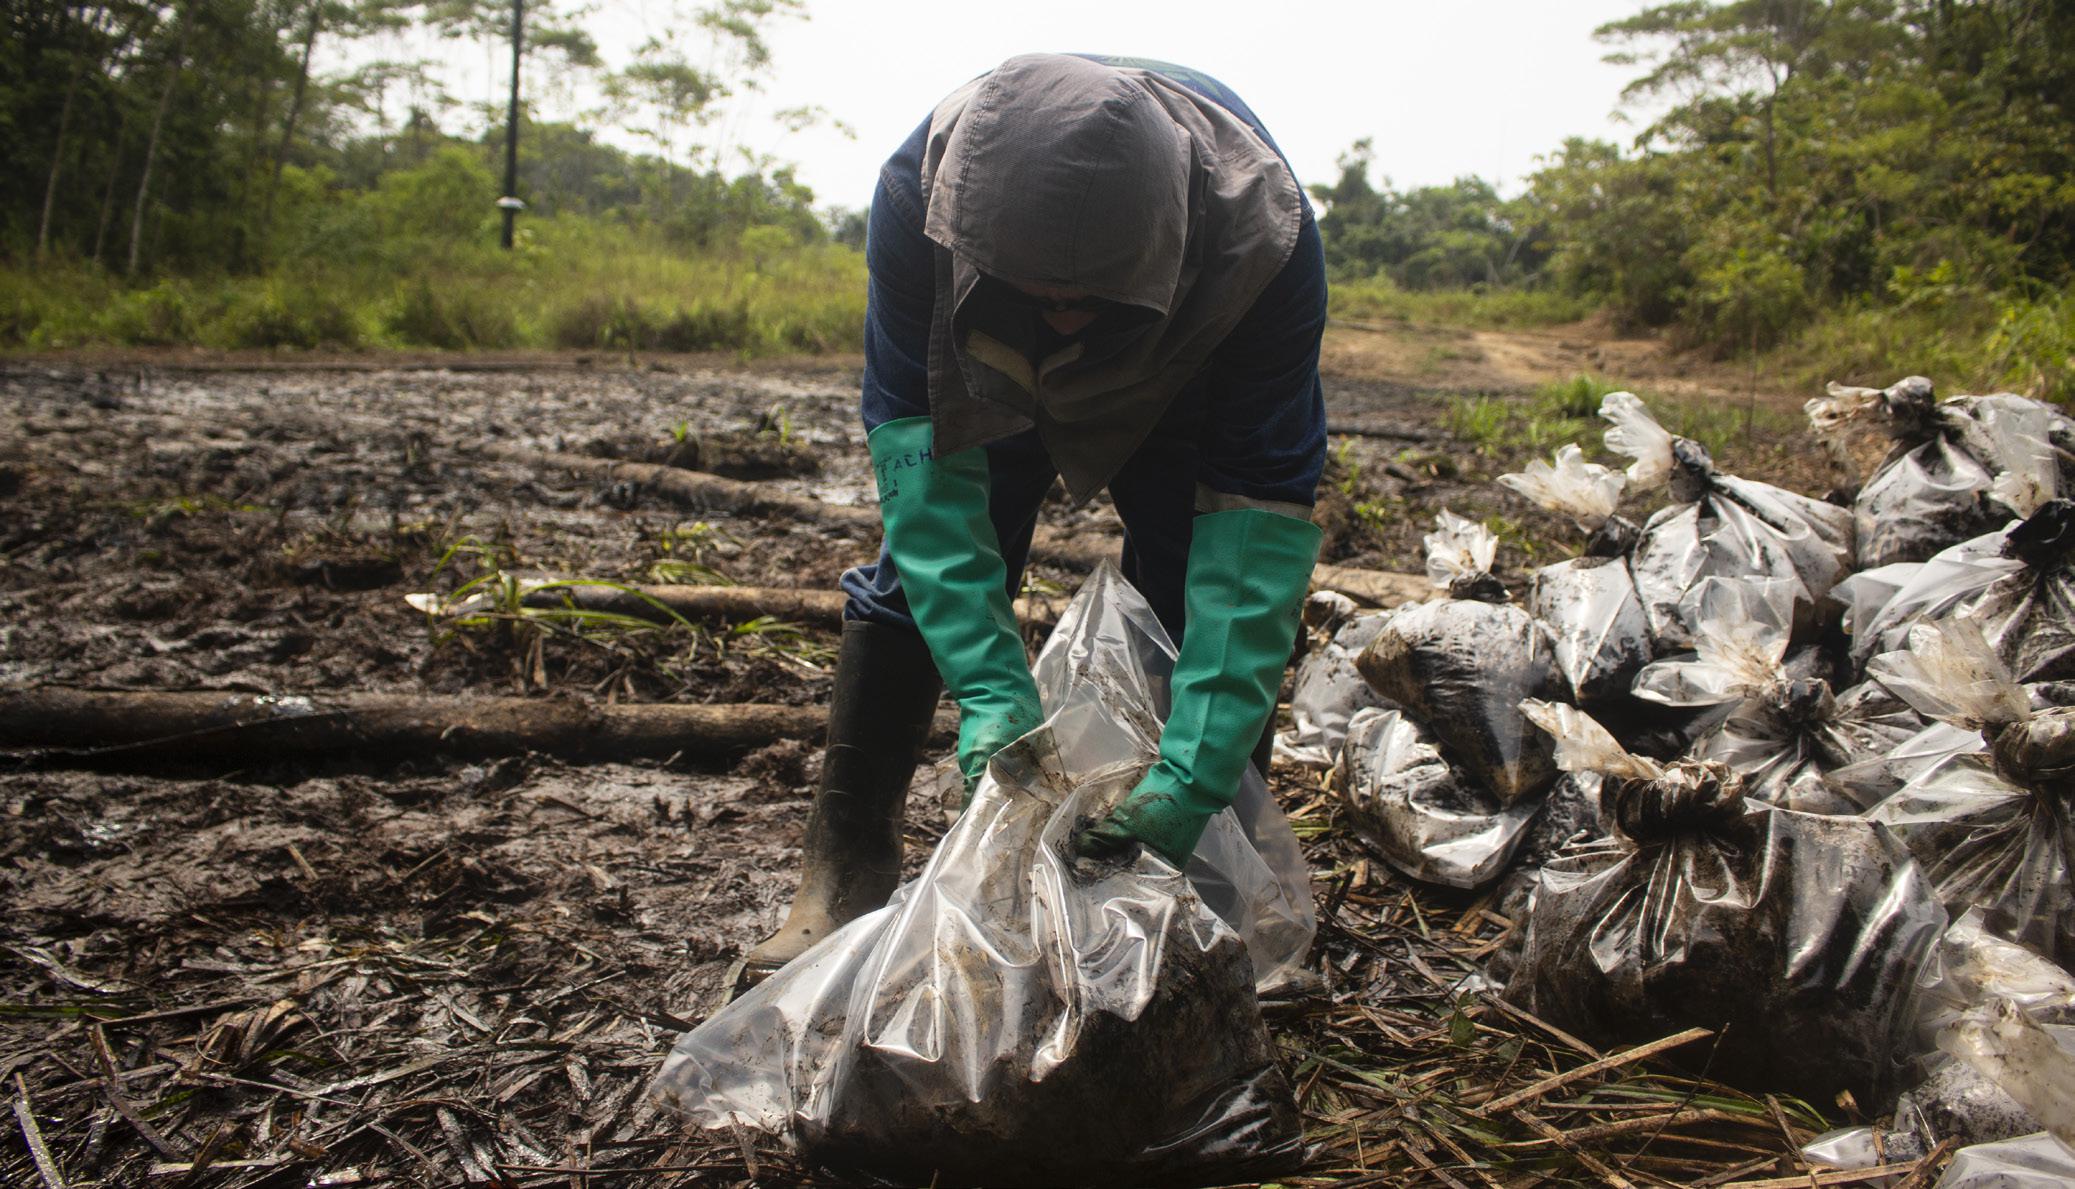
(151, 144)
(122, 131)
(295, 111)
(1378, 588)
(236, 728)
(57, 155)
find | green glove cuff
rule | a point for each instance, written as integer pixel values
(943, 544)
(1249, 569)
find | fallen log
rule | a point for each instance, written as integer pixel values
(1377, 588)
(223, 726)
(661, 603)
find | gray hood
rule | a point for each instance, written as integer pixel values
(1060, 172)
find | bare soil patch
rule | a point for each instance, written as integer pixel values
(356, 972)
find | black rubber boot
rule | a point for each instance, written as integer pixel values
(879, 717)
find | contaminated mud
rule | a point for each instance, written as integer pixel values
(1187, 1089)
(543, 929)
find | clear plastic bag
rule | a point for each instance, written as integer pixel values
(1798, 937)
(1931, 491)
(1328, 690)
(2029, 1061)
(1720, 526)
(1990, 825)
(2029, 1162)
(1570, 486)
(1972, 966)
(2015, 582)
(1595, 623)
(1783, 733)
(1461, 665)
(1016, 1016)
(1597, 629)
(1425, 817)
(1967, 975)
(1929, 591)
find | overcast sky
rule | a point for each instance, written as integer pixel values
(1442, 87)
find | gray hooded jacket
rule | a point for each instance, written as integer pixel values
(1059, 172)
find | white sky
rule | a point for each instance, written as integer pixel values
(1443, 87)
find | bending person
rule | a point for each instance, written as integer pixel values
(1102, 271)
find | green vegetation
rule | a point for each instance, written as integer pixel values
(195, 183)
(1567, 411)
(1853, 188)
(1833, 189)
(572, 282)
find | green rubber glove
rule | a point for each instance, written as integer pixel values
(1248, 571)
(935, 513)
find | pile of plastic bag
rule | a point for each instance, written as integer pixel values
(1787, 741)
(1718, 526)
(1991, 818)
(1781, 728)
(1016, 1015)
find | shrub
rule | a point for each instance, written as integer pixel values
(466, 318)
(161, 316)
(274, 314)
(704, 327)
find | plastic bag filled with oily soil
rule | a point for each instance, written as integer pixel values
(1588, 605)
(1993, 827)
(1957, 1099)
(1796, 937)
(1329, 690)
(2018, 583)
(1784, 732)
(1596, 626)
(1719, 526)
(1019, 1017)
(2029, 1162)
(1426, 817)
(1932, 489)
(1462, 664)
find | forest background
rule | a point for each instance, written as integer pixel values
(1849, 189)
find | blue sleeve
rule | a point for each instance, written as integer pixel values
(900, 292)
(1263, 435)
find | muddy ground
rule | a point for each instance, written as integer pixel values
(442, 973)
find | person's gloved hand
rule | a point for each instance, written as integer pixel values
(1248, 572)
(951, 568)
(988, 723)
(1168, 820)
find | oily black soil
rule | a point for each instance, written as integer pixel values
(260, 972)
(1194, 1071)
